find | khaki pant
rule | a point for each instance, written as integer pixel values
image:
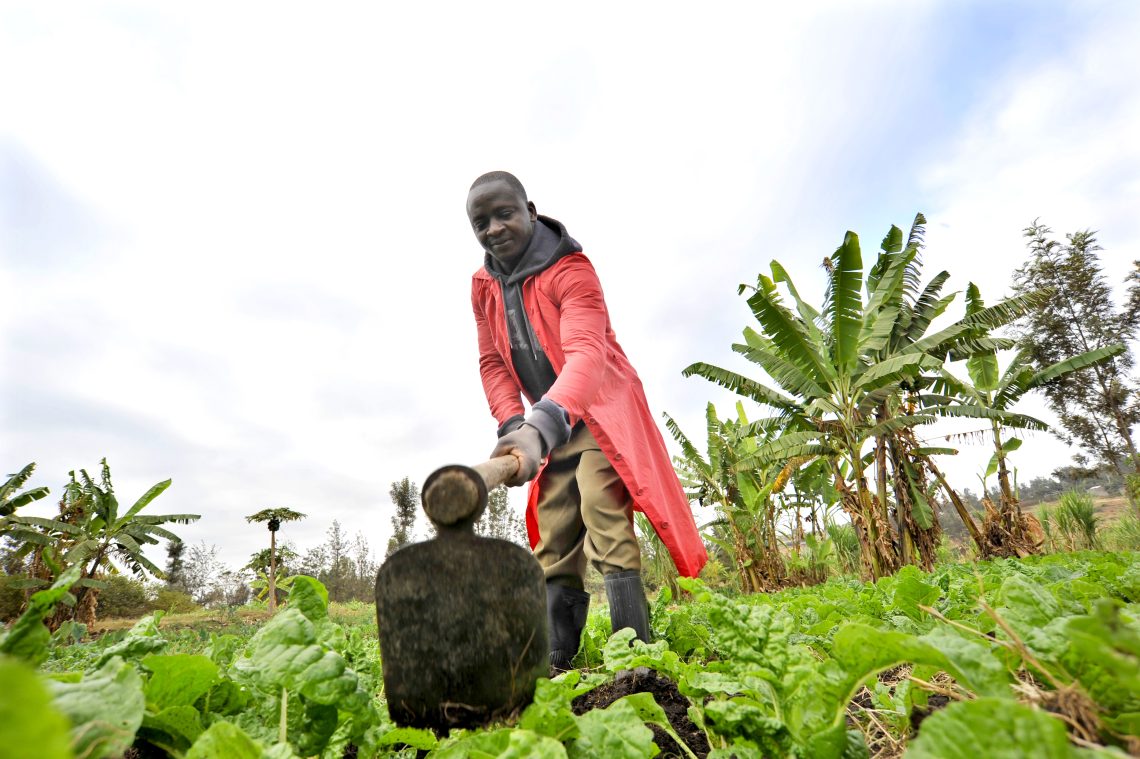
(584, 512)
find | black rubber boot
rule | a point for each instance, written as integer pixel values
(566, 610)
(628, 607)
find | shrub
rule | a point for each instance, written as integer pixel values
(715, 573)
(1076, 520)
(846, 546)
(123, 597)
(1124, 535)
(11, 597)
(174, 601)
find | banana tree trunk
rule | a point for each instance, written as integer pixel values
(1007, 499)
(963, 513)
(1025, 535)
(876, 544)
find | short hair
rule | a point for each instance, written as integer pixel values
(502, 176)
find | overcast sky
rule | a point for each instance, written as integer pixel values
(233, 246)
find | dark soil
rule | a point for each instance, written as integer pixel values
(665, 693)
(934, 702)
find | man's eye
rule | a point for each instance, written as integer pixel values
(505, 214)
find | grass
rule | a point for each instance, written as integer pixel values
(351, 614)
(1108, 509)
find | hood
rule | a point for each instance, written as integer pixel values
(548, 243)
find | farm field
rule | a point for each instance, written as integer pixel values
(1007, 658)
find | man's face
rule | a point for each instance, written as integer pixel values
(502, 221)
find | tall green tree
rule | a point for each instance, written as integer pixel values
(175, 565)
(1008, 532)
(1132, 308)
(1099, 405)
(500, 521)
(339, 576)
(405, 496)
(273, 519)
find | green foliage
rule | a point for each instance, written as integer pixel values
(173, 601)
(739, 487)
(515, 744)
(28, 638)
(846, 546)
(852, 375)
(405, 496)
(1096, 406)
(105, 707)
(768, 674)
(10, 497)
(104, 532)
(616, 731)
(27, 716)
(1124, 534)
(123, 597)
(497, 521)
(11, 596)
(991, 727)
(1076, 520)
(275, 516)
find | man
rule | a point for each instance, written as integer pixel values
(544, 332)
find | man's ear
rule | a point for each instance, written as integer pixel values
(533, 211)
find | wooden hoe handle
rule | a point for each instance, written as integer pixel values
(498, 470)
(456, 495)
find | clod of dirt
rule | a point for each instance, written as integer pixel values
(665, 693)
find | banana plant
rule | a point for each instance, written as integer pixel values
(657, 566)
(107, 537)
(731, 481)
(834, 369)
(11, 499)
(992, 394)
(92, 533)
(19, 529)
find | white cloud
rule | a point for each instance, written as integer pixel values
(272, 302)
(1050, 139)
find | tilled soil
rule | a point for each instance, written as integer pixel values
(934, 702)
(881, 743)
(665, 693)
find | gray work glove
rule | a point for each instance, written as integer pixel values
(526, 444)
(546, 428)
(511, 425)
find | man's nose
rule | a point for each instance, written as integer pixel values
(494, 228)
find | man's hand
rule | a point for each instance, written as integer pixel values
(526, 444)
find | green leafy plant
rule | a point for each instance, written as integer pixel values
(1076, 518)
(91, 532)
(10, 497)
(848, 377)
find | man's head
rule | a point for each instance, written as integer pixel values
(501, 216)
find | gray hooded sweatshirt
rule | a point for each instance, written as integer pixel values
(548, 243)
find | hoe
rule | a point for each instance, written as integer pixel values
(462, 618)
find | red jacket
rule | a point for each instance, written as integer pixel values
(596, 383)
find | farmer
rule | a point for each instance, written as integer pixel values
(544, 331)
